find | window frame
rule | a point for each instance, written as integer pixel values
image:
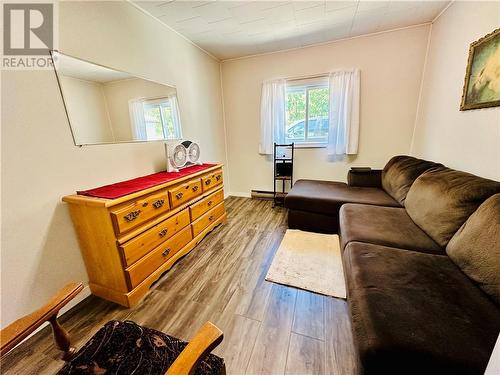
(306, 84)
(158, 102)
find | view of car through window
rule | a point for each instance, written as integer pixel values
(307, 108)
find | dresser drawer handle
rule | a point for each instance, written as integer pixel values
(159, 203)
(166, 252)
(131, 216)
(210, 218)
(179, 195)
(195, 188)
(207, 182)
(163, 232)
(218, 177)
(209, 203)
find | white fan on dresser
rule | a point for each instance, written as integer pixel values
(182, 154)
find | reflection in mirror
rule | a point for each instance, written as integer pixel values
(108, 106)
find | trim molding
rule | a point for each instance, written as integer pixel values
(239, 194)
(420, 91)
(224, 126)
(444, 10)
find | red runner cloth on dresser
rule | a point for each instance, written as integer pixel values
(120, 189)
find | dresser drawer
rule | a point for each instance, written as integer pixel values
(199, 208)
(138, 211)
(209, 181)
(185, 192)
(207, 219)
(139, 246)
(151, 262)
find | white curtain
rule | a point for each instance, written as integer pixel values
(175, 116)
(137, 119)
(272, 115)
(343, 132)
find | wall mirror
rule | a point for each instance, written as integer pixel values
(105, 105)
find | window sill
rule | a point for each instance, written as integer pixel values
(310, 145)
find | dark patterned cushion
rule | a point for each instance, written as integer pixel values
(126, 348)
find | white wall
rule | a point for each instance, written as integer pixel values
(468, 140)
(391, 69)
(87, 109)
(40, 164)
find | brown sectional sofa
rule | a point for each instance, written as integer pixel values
(421, 250)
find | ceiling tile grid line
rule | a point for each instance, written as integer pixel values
(232, 29)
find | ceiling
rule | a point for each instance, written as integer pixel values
(230, 29)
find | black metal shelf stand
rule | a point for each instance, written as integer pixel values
(282, 170)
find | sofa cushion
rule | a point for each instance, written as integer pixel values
(441, 199)
(399, 174)
(415, 313)
(475, 248)
(327, 196)
(389, 226)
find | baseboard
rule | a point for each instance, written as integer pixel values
(239, 194)
(75, 301)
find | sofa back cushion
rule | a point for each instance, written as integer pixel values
(399, 174)
(475, 248)
(441, 199)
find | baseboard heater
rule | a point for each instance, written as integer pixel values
(262, 194)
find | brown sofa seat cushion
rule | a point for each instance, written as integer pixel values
(327, 196)
(475, 248)
(441, 199)
(415, 313)
(400, 172)
(388, 226)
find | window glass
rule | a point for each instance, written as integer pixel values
(307, 107)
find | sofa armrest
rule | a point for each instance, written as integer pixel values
(365, 177)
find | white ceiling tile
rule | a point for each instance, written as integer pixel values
(279, 14)
(331, 5)
(236, 28)
(341, 15)
(362, 26)
(300, 5)
(213, 11)
(308, 15)
(398, 5)
(193, 25)
(364, 6)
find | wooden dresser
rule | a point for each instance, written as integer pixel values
(129, 242)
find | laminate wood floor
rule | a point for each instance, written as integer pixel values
(268, 328)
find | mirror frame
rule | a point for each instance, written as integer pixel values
(61, 91)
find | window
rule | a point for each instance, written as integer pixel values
(307, 107)
(155, 119)
(160, 121)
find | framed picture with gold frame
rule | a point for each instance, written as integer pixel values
(482, 77)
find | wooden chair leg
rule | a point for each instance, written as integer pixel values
(61, 337)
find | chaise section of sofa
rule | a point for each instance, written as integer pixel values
(314, 205)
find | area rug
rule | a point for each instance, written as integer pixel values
(309, 261)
